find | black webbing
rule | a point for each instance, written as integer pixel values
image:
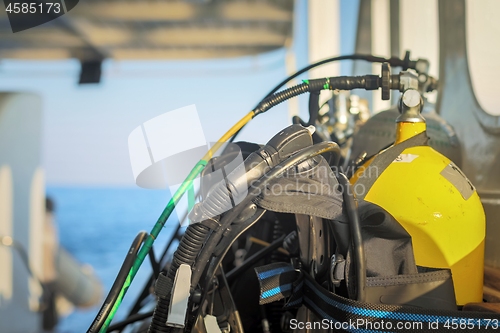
(384, 159)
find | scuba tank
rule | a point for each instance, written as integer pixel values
(431, 198)
(379, 132)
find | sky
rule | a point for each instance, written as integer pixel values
(86, 127)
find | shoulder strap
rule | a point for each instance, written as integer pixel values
(352, 316)
(341, 314)
(384, 159)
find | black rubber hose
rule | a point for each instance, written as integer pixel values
(231, 215)
(113, 294)
(160, 315)
(129, 320)
(394, 62)
(281, 96)
(194, 240)
(249, 262)
(254, 191)
(368, 82)
(355, 228)
(313, 108)
(145, 290)
(189, 248)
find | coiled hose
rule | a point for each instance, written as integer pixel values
(219, 201)
(281, 97)
(254, 191)
(213, 207)
(368, 82)
(160, 315)
(189, 248)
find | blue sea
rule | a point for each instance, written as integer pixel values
(97, 226)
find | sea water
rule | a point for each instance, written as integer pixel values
(97, 226)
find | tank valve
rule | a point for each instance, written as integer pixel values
(410, 106)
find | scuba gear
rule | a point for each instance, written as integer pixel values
(432, 199)
(269, 101)
(379, 133)
(336, 250)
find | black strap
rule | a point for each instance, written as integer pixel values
(348, 315)
(384, 159)
(276, 281)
